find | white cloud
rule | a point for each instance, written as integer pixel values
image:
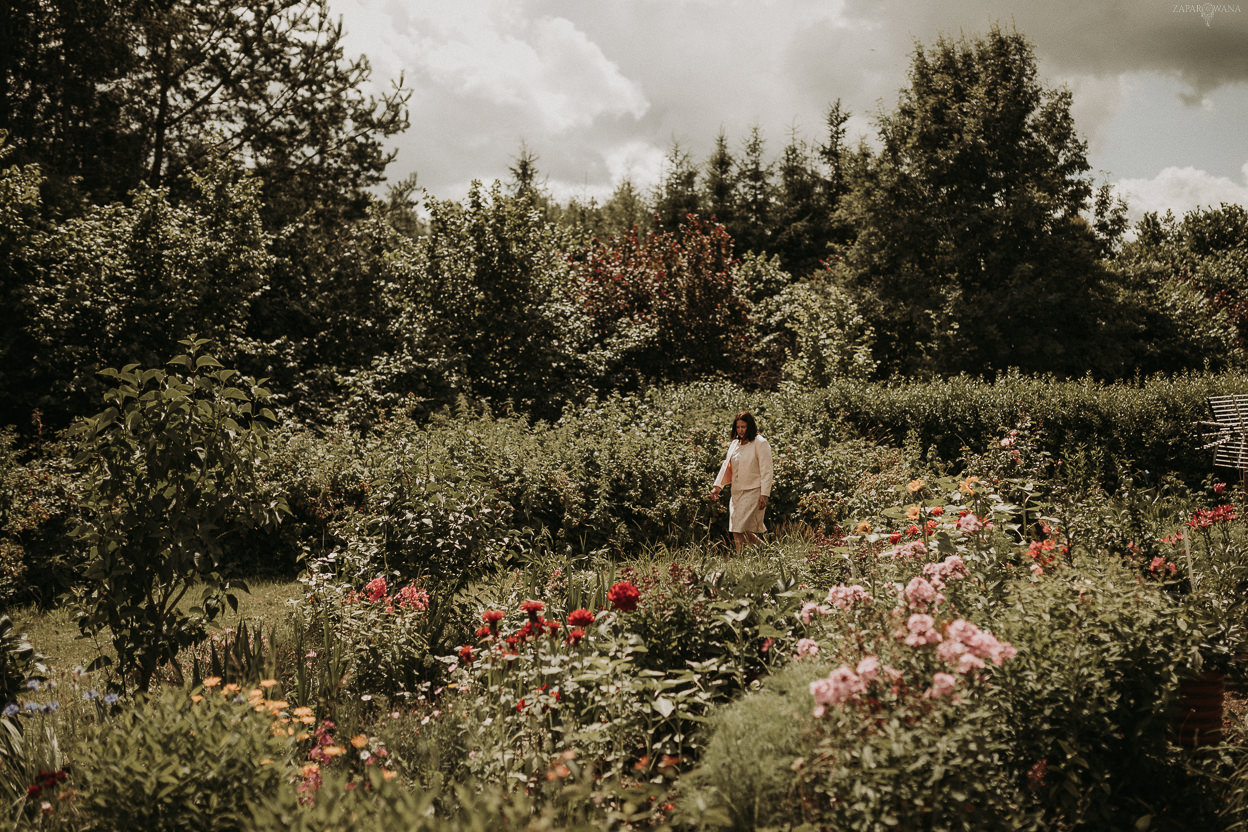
(1180, 190)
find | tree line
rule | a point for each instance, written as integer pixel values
(173, 168)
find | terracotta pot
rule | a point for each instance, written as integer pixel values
(1196, 719)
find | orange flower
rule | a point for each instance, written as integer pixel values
(197, 698)
(333, 750)
(359, 740)
(212, 681)
(968, 486)
(915, 485)
(863, 527)
(912, 513)
(268, 683)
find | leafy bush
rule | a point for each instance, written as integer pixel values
(177, 761)
(171, 476)
(38, 497)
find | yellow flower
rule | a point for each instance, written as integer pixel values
(915, 485)
(359, 740)
(912, 513)
(863, 527)
(212, 681)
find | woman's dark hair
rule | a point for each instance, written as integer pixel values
(751, 427)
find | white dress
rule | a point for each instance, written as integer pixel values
(751, 477)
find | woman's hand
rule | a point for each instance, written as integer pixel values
(715, 493)
(762, 501)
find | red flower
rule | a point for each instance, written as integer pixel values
(580, 618)
(624, 596)
(492, 616)
(937, 511)
(465, 654)
(520, 706)
(912, 530)
(532, 608)
(574, 636)
(483, 631)
(895, 537)
(376, 588)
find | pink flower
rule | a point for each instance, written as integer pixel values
(920, 593)
(948, 569)
(414, 598)
(844, 597)
(809, 609)
(376, 588)
(914, 550)
(942, 685)
(969, 523)
(868, 669)
(806, 647)
(839, 686)
(968, 647)
(1219, 487)
(922, 630)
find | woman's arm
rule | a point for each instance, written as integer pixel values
(764, 465)
(725, 471)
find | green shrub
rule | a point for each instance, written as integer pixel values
(38, 493)
(171, 479)
(1086, 700)
(167, 762)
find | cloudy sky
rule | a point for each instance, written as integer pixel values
(600, 89)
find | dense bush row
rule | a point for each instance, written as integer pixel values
(628, 470)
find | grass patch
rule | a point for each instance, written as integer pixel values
(55, 635)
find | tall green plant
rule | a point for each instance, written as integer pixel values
(171, 472)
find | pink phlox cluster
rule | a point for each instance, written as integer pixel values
(810, 609)
(868, 669)
(969, 523)
(968, 648)
(806, 647)
(914, 550)
(844, 597)
(920, 593)
(942, 685)
(920, 630)
(948, 569)
(839, 686)
(375, 590)
(414, 598)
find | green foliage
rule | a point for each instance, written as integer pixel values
(167, 763)
(108, 288)
(824, 335)
(481, 304)
(171, 473)
(970, 253)
(18, 661)
(172, 83)
(38, 492)
(1100, 655)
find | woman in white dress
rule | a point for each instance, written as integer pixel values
(747, 467)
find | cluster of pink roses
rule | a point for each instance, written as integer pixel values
(410, 597)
